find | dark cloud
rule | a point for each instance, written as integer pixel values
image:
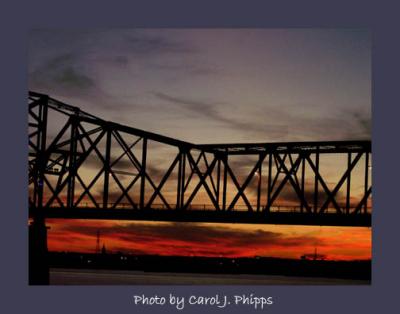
(120, 60)
(203, 109)
(156, 172)
(154, 45)
(307, 121)
(124, 164)
(331, 128)
(188, 69)
(362, 125)
(72, 78)
(187, 235)
(114, 195)
(60, 61)
(288, 194)
(65, 75)
(69, 63)
(93, 162)
(243, 163)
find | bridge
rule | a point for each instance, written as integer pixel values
(125, 184)
(81, 166)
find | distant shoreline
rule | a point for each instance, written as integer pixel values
(256, 266)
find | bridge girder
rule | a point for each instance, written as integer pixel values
(194, 169)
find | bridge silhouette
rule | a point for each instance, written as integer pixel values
(81, 166)
(141, 191)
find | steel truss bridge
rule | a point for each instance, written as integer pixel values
(92, 168)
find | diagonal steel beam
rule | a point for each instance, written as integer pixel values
(285, 179)
(341, 181)
(363, 201)
(79, 162)
(322, 181)
(157, 190)
(246, 183)
(201, 182)
(295, 184)
(236, 183)
(136, 162)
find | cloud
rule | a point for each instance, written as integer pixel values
(188, 69)
(87, 64)
(311, 122)
(72, 78)
(120, 60)
(78, 65)
(65, 75)
(362, 124)
(150, 45)
(289, 195)
(203, 109)
(187, 238)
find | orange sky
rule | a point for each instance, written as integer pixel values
(206, 239)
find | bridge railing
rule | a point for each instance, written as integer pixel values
(209, 207)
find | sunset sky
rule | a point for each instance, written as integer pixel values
(213, 86)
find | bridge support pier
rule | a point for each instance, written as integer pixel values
(38, 254)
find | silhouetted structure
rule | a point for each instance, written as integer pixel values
(215, 265)
(38, 255)
(314, 256)
(58, 187)
(97, 242)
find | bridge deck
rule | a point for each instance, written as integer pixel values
(284, 218)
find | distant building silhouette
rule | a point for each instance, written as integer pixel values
(97, 242)
(314, 256)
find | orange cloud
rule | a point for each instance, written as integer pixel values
(193, 239)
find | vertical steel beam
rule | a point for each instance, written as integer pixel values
(143, 173)
(225, 179)
(303, 172)
(180, 195)
(268, 207)
(41, 157)
(179, 182)
(182, 200)
(72, 161)
(261, 159)
(38, 261)
(38, 183)
(218, 179)
(366, 182)
(348, 184)
(107, 168)
(316, 181)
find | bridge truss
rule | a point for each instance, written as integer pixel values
(81, 166)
